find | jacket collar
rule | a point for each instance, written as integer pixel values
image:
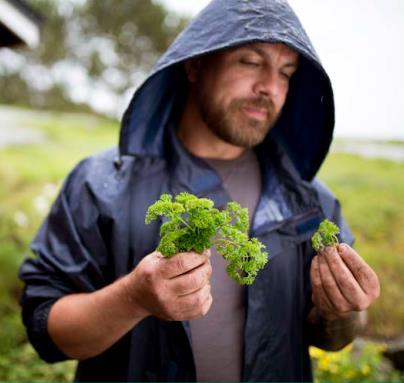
(284, 197)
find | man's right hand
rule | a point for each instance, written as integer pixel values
(176, 288)
(83, 325)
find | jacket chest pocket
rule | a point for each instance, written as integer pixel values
(289, 248)
(292, 232)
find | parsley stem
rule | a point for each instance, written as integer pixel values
(224, 240)
(184, 222)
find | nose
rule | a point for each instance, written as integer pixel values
(267, 84)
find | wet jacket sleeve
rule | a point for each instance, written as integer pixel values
(70, 256)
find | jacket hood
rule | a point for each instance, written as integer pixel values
(305, 128)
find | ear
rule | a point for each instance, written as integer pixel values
(192, 68)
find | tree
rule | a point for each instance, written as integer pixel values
(87, 46)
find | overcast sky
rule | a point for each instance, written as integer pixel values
(360, 44)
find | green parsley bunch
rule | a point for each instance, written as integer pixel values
(326, 235)
(195, 225)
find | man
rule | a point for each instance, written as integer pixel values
(238, 108)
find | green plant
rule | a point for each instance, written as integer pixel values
(195, 225)
(22, 364)
(361, 361)
(326, 235)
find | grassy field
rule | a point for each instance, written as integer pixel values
(372, 195)
(31, 175)
(371, 192)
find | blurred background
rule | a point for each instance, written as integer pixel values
(68, 69)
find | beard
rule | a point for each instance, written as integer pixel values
(231, 124)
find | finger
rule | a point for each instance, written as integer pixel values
(346, 281)
(192, 280)
(199, 312)
(207, 305)
(363, 273)
(330, 287)
(319, 297)
(192, 302)
(182, 263)
(202, 310)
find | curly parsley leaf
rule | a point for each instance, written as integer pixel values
(193, 224)
(326, 235)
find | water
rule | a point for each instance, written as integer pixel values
(384, 150)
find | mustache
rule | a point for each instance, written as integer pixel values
(259, 103)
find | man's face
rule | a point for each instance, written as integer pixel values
(240, 92)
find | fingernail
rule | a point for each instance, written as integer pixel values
(323, 251)
(342, 247)
(329, 250)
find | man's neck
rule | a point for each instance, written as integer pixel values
(200, 140)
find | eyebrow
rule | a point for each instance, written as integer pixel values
(262, 53)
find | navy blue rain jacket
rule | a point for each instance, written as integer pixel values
(95, 232)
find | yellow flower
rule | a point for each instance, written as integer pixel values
(365, 369)
(333, 369)
(324, 363)
(335, 356)
(347, 348)
(316, 352)
(381, 347)
(349, 374)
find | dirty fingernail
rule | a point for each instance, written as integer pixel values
(342, 247)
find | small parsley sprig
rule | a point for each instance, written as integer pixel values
(326, 235)
(195, 225)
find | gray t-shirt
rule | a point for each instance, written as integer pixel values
(217, 338)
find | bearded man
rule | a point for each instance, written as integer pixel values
(239, 108)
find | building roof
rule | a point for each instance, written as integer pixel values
(19, 24)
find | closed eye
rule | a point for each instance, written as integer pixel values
(287, 75)
(249, 62)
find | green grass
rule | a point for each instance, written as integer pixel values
(358, 362)
(372, 195)
(371, 192)
(31, 176)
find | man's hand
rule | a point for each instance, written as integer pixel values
(175, 288)
(83, 325)
(342, 282)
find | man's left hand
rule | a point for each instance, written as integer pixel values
(342, 282)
